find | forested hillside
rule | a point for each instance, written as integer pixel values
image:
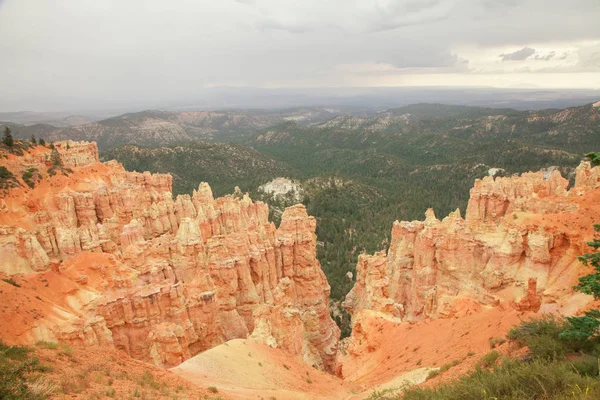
(160, 128)
(223, 165)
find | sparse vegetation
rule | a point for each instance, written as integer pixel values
(496, 341)
(7, 179)
(513, 380)
(20, 375)
(31, 177)
(489, 360)
(10, 281)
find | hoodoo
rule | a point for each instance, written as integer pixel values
(105, 256)
(518, 244)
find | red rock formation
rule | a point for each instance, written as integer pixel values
(160, 278)
(518, 244)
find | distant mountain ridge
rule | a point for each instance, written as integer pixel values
(158, 127)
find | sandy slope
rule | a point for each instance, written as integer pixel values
(243, 369)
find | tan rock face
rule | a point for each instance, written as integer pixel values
(518, 244)
(163, 279)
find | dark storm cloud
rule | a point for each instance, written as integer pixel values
(518, 55)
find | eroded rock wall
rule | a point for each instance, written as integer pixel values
(164, 278)
(518, 244)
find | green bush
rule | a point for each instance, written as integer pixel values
(17, 369)
(587, 365)
(546, 347)
(30, 176)
(547, 324)
(433, 373)
(496, 341)
(489, 360)
(513, 380)
(10, 281)
(7, 179)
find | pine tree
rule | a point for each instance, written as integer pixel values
(7, 139)
(42, 142)
(33, 140)
(55, 158)
(587, 326)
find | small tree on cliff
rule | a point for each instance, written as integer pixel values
(7, 139)
(33, 140)
(587, 327)
(55, 158)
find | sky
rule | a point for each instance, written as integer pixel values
(123, 50)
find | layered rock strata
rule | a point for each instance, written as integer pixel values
(161, 278)
(518, 244)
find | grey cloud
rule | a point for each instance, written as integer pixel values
(423, 57)
(544, 57)
(153, 49)
(518, 55)
(272, 24)
(404, 13)
(589, 57)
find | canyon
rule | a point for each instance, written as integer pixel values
(109, 257)
(95, 255)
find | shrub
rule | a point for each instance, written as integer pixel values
(433, 373)
(7, 179)
(512, 380)
(489, 360)
(30, 176)
(496, 341)
(10, 281)
(148, 379)
(547, 324)
(16, 375)
(213, 389)
(546, 347)
(385, 394)
(586, 365)
(47, 345)
(545, 337)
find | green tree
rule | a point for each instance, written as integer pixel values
(594, 158)
(588, 326)
(7, 139)
(42, 142)
(33, 140)
(55, 158)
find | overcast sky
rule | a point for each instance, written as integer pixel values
(129, 49)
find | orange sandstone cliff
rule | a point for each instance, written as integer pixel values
(99, 255)
(445, 288)
(518, 244)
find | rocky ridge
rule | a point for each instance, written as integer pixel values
(108, 257)
(518, 244)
